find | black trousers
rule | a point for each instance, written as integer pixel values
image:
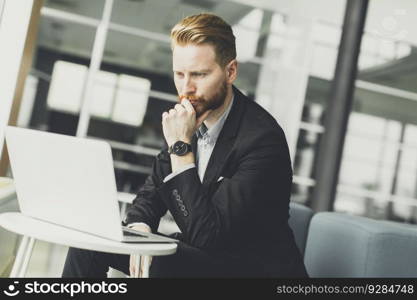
(187, 262)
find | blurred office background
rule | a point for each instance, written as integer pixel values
(287, 51)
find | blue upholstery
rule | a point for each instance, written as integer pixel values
(341, 245)
(299, 222)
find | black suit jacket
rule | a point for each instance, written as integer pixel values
(245, 215)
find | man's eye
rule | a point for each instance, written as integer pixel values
(200, 74)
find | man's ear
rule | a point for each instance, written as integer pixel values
(231, 71)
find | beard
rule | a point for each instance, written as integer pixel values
(202, 104)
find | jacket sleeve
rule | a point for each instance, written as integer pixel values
(147, 207)
(208, 221)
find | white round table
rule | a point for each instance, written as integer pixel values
(32, 229)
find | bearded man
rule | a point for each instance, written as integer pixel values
(225, 174)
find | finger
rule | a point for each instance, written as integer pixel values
(180, 108)
(132, 266)
(172, 111)
(141, 266)
(164, 118)
(204, 116)
(137, 265)
(187, 105)
(145, 265)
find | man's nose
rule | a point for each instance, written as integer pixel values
(188, 87)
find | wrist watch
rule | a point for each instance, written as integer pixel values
(179, 148)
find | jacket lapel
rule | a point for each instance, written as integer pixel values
(225, 140)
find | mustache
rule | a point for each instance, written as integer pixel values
(192, 98)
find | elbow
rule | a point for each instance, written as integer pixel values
(206, 237)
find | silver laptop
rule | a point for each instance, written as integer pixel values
(69, 181)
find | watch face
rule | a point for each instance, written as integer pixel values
(180, 148)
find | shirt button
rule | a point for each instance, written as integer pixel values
(175, 192)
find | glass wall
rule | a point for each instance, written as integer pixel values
(378, 172)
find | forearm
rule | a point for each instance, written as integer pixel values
(147, 207)
(192, 210)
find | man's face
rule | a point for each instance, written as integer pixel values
(198, 77)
